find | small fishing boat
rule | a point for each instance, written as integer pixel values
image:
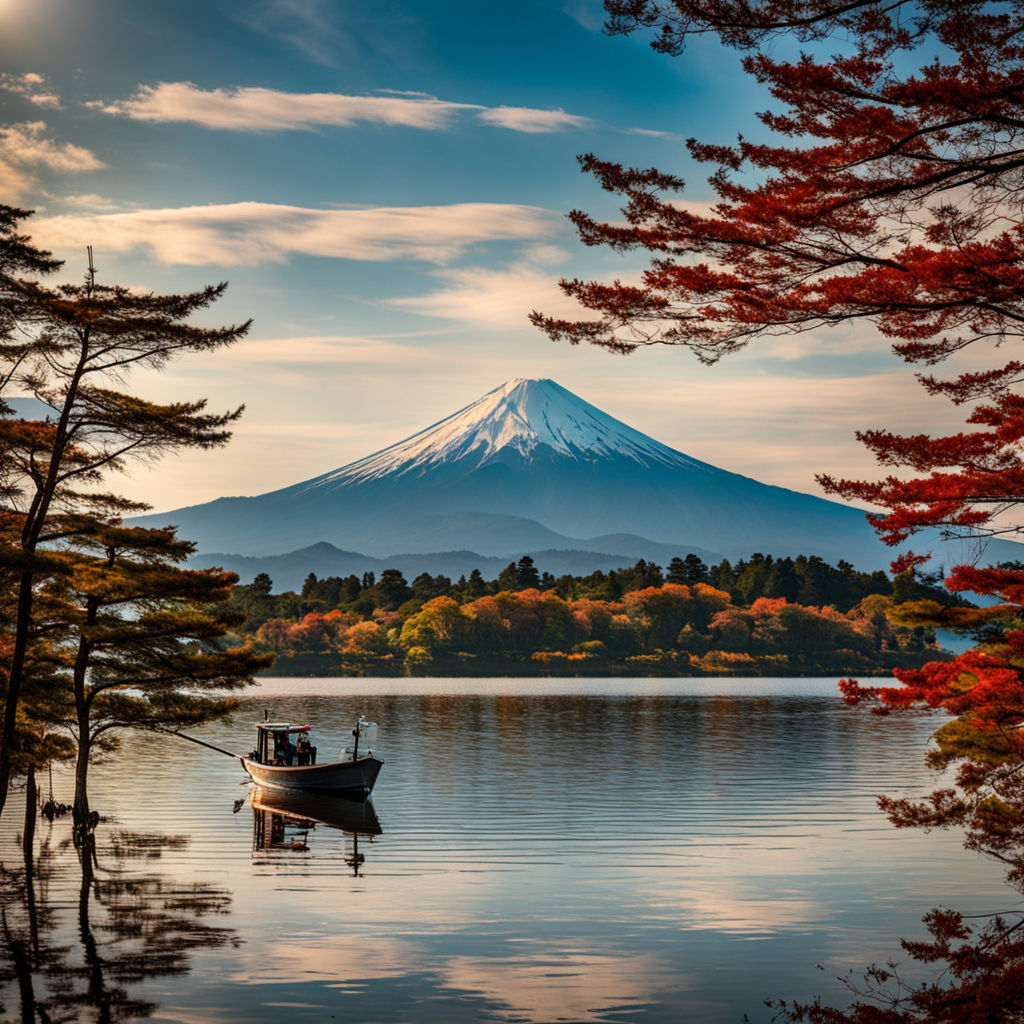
(279, 764)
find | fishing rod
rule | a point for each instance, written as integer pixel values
(202, 743)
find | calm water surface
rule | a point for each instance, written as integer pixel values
(536, 851)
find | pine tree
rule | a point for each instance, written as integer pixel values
(527, 576)
(476, 585)
(676, 572)
(71, 347)
(139, 637)
(508, 578)
(391, 590)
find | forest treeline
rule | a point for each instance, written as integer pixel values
(761, 615)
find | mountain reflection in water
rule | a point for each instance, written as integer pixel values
(576, 850)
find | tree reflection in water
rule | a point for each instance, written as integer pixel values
(67, 960)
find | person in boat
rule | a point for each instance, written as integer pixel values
(284, 749)
(304, 748)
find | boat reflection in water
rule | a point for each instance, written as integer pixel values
(287, 820)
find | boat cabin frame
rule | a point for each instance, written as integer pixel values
(268, 739)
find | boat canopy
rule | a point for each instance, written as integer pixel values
(282, 727)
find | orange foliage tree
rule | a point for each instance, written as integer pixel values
(890, 196)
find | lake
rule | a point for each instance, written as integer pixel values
(536, 851)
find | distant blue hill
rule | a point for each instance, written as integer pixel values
(288, 571)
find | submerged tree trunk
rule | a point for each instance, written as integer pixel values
(82, 818)
(12, 691)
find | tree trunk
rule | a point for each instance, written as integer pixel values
(12, 691)
(81, 817)
(34, 522)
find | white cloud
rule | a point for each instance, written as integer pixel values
(524, 119)
(91, 200)
(652, 133)
(255, 109)
(25, 145)
(32, 86)
(252, 109)
(250, 233)
(498, 299)
(326, 350)
(13, 182)
(546, 254)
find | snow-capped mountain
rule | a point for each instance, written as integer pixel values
(522, 416)
(531, 467)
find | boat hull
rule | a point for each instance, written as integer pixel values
(353, 779)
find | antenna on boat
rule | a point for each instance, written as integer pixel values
(266, 714)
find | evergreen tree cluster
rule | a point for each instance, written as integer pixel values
(754, 617)
(804, 580)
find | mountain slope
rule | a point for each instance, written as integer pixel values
(521, 418)
(530, 466)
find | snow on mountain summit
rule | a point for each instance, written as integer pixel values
(521, 415)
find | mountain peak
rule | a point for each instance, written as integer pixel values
(521, 416)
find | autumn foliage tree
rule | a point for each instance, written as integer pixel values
(886, 190)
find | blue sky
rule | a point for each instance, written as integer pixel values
(385, 189)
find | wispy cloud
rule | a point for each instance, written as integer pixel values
(251, 109)
(322, 351)
(652, 134)
(32, 86)
(305, 25)
(90, 201)
(25, 146)
(247, 234)
(497, 299)
(14, 181)
(588, 13)
(794, 440)
(255, 109)
(525, 119)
